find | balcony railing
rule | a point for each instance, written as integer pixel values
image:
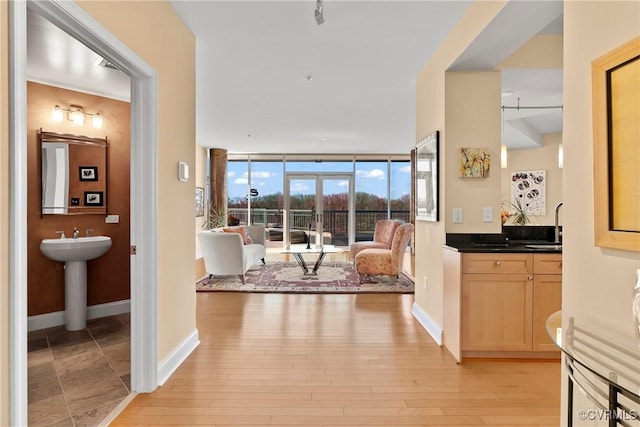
(334, 221)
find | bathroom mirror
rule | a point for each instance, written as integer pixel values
(73, 174)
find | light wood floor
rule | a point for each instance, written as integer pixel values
(336, 360)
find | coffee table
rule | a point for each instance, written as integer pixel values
(299, 250)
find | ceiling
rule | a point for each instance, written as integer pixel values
(269, 80)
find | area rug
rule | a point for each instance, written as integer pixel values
(287, 277)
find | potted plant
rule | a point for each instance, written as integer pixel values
(216, 217)
(516, 212)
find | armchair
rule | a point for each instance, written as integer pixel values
(225, 254)
(378, 261)
(382, 237)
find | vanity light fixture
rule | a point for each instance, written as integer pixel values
(76, 114)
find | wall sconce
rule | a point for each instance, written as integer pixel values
(503, 156)
(560, 156)
(76, 114)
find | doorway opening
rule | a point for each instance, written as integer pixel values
(72, 19)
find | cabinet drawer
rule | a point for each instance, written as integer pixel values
(496, 263)
(547, 263)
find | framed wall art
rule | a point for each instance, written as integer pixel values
(616, 147)
(88, 173)
(199, 201)
(426, 179)
(474, 162)
(529, 191)
(93, 198)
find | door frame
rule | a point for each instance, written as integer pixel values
(74, 20)
(319, 192)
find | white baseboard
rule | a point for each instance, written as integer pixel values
(427, 323)
(56, 318)
(178, 355)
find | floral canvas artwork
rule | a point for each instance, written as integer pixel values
(474, 162)
(528, 188)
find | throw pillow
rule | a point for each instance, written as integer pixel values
(242, 231)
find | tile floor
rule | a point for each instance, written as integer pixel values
(77, 378)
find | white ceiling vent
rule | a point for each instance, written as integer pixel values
(106, 64)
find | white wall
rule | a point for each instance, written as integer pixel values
(597, 283)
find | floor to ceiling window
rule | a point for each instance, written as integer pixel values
(382, 190)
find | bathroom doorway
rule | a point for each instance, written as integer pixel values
(73, 20)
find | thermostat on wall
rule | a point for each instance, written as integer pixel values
(183, 171)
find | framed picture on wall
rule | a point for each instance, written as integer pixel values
(199, 201)
(88, 173)
(93, 198)
(426, 179)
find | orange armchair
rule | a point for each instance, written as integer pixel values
(378, 261)
(382, 237)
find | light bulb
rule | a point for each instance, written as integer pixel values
(97, 120)
(56, 114)
(77, 117)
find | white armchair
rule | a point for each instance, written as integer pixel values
(225, 254)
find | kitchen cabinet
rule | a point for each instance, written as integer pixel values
(504, 301)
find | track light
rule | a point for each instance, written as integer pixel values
(318, 13)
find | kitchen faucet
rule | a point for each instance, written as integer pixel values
(558, 233)
(76, 232)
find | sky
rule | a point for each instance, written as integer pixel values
(370, 177)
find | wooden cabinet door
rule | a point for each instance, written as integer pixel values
(496, 312)
(547, 299)
(547, 264)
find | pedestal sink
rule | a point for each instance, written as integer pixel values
(75, 253)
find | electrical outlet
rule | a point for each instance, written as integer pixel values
(112, 219)
(487, 214)
(457, 215)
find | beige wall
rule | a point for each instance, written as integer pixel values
(597, 283)
(541, 51)
(546, 158)
(154, 31)
(430, 116)
(4, 214)
(472, 119)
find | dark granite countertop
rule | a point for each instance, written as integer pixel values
(521, 239)
(534, 247)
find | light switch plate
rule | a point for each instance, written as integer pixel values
(457, 215)
(487, 214)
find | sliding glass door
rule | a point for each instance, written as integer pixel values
(319, 207)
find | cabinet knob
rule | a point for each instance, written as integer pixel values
(530, 278)
(498, 263)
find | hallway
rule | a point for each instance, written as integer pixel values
(329, 360)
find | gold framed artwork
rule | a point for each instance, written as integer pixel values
(616, 147)
(473, 162)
